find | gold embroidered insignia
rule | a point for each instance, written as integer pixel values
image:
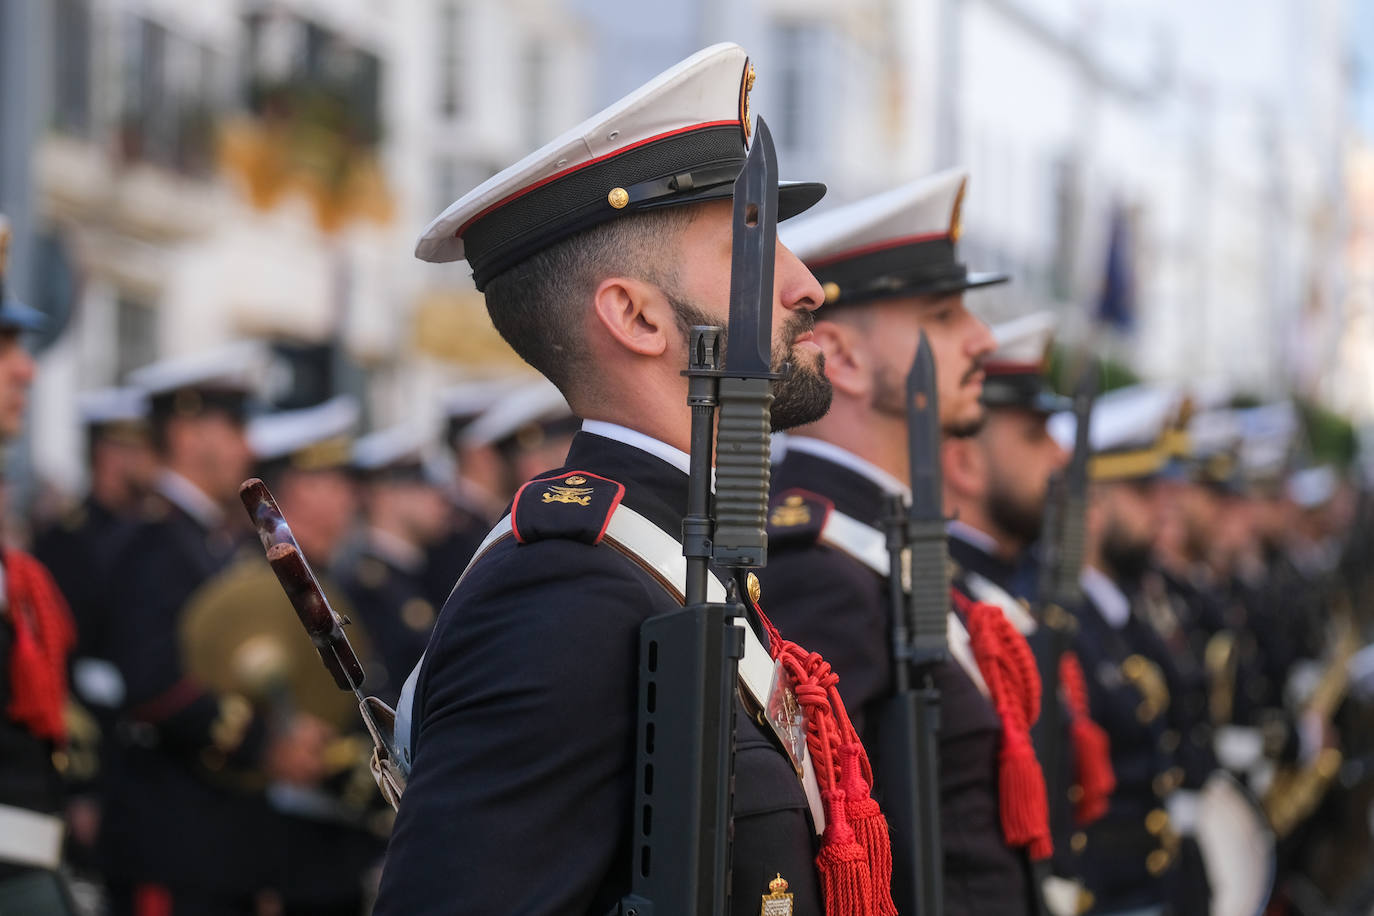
(573, 493)
(792, 512)
(746, 86)
(777, 902)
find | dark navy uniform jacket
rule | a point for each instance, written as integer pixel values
(522, 784)
(393, 604)
(835, 605)
(446, 558)
(1116, 865)
(79, 551)
(1068, 840)
(171, 816)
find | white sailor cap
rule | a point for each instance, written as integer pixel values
(466, 401)
(1268, 438)
(1214, 438)
(109, 406)
(1015, 373)
(310, 439)
(524, 417)
(902, 242)
(222, 378)
(678, 139)
(401, 452)
(1129, 432)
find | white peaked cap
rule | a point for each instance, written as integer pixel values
(679, 138)
(277, 435)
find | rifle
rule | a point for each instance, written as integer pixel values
(909, 720)
(1062, 546)
(325, 627)
(689, 659)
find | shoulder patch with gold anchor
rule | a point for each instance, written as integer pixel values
(797, 516)
(575, 506)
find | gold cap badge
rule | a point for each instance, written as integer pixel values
(745, 88)
(831, 290)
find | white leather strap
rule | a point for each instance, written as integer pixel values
(30, 838)
(661, 552)
(868, 546)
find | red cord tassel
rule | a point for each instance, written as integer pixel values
(43, 635)
(869, 825)
(1091, 745)
(842, 863)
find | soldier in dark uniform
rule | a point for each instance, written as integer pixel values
(36, 635)
(79, 550)
(238, 633)
(890, 270)
(178, 834)
(384, 575)
(596, 254)
(524, 431)
(474, 496)
(996, 484)
(1128, 862)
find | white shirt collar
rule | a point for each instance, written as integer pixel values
(1111, 601)
(971, 535)
(661, 450)
(190, 498)
(846, 459)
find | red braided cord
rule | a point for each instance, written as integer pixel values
(43, 635)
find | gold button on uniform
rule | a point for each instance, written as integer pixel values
(1078, 842)
(1156, 821)
(1156, 862)
(755, 589)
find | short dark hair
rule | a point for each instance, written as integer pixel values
(536, 305)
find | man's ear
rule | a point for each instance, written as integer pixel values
(964, 466)
(847, 362)
(635, 314)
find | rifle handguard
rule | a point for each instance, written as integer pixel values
(742, 471)
(929, 605)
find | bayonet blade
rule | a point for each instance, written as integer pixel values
(929, 551)
(748, 349)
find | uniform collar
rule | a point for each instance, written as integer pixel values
(809, 445)
(975, 551)
(655, 483)
(623, 434)
(1111, 602)
(190, 499)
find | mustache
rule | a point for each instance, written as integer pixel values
(974, 369)
(800, 323)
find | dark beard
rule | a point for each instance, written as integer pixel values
(1127, 559)
(1017, 519)
(803, 393)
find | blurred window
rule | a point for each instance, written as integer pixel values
(72, 67)
(135, 335)
(452, 88)
(170, 98)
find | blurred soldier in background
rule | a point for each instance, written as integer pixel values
(890, 269)
(1128, 857)
(385, 574)
(521, 433)
(36, 636)
(179, 835)
(239, 634)
(996, 485)
(79, 549)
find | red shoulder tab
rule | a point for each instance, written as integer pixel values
(574, 505)
(797, 516)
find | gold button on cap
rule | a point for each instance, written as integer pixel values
(831, 290)
(618, 198)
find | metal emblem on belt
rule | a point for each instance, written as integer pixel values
(785, 717)
(778, 902)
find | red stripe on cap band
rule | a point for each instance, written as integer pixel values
(582, 165)
(877, 247)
